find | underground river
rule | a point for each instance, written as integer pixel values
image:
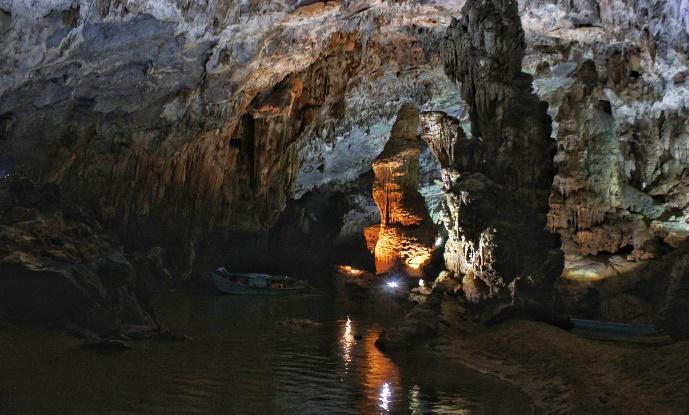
(243, 359)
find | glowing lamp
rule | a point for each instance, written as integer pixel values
(348, 269)
(393, 284)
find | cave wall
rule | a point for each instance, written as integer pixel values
(614, 75)
(175, 121)
(138, 122)
(618, 97)
(60, 267)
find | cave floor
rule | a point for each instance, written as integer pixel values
(566, 374)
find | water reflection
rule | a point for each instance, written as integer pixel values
(415, 406)
(385, 395)
(347, 341)
(381, 375)
(240, 362)
(364, 364)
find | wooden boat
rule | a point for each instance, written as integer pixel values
(619, 332)
(256, 284)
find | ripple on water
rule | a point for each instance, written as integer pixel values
(240, 363)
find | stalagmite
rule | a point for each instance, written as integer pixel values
(497, 202)
(404, 239)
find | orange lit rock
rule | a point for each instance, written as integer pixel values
(406, 247)
(406, 234)
(371, 237)
(349, 270)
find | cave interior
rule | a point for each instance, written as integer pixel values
(499, 186)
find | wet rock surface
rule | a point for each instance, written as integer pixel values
(419, 324)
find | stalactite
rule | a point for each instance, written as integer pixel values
(567, 185)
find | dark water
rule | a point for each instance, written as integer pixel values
(241, 362)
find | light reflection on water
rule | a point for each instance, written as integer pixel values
(376, 371)
(381, 376)
(241, 363)
(385, 397)
(415, 407)
(347, 342)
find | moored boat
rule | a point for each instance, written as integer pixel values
(619, 332)
(251, 283)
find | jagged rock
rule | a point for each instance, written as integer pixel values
(420, 323)
(444, 135)
(621, 128)
(59, 267)
(191, 122)
(496, 202)
(475, 290)
(590, 204)
(447, 279)
(444, 276)
(630, 79)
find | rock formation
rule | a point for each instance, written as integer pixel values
(613, 74)
(497, 182)
(58, 266)
(187, 122)
(404, 239)
(591, 207)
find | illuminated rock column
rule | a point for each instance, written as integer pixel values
(406, 233)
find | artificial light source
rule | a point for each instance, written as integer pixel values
(348, 269)
(421, 283)
(393, 284)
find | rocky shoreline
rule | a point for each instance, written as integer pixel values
(61, 268)
(561, 372)
(565, 374)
